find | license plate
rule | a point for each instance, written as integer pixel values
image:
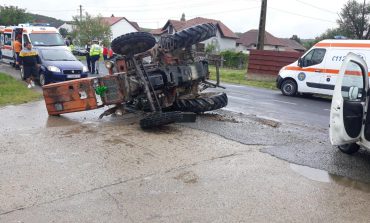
(73, 76)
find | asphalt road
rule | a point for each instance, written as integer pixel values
(271, 104)
(265, 157)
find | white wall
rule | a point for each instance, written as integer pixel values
(221, 44)
(122, 27)
(266, 47)
(66, 26)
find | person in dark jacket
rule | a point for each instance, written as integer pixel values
(30, 61)
(88, 59)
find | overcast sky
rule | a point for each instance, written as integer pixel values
(305, 18)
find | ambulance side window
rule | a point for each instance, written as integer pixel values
(315, 56)
(8, 39)
(25, 39)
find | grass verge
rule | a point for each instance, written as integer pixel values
(235, 76)
(13, 91)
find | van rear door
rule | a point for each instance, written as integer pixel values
(347, 114)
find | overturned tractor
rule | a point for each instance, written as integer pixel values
(165, 79)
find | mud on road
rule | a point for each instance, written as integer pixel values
(76, 168)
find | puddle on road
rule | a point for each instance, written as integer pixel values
(325, 177)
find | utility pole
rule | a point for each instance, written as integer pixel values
(261, 28)
(80, 13)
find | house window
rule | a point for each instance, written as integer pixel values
(170, 29)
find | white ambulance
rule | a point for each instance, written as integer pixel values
(317, 70)
(37, 35)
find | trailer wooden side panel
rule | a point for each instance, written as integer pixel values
(70, 96)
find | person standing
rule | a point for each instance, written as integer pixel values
(88, 59)
(17, 47)
(30, 61)
(95, 52)
(105, 53)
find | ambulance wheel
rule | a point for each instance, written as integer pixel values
(289, 87)
(349, 148)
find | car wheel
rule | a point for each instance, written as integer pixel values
(349, 148)
(42, 79)
(22, 73)
(289, 87)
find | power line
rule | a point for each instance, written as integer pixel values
(316, 7)
(165, 5)
(293, 13)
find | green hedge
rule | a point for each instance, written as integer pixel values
(233, 59)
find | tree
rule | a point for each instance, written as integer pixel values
(63, 32)
(90, 28)
(354, 20)
(296, 38)
(12, 15)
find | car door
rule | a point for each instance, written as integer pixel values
(349, 101)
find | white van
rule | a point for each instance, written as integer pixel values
(37, 35)
(349, 113)
(317, 70)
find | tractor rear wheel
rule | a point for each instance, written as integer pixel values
(133, 43)
(202, 103)
(188, 37)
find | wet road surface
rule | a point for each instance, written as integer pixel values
(76, 168)
(271, 104)
(226, 167)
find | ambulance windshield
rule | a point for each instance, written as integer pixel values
(46, 39)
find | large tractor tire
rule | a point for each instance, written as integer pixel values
(188, 37)
(159, 119)
(133, 43)
(204, 102)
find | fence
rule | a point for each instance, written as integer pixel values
(265, 64)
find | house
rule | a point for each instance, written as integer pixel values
(120, 25)
(225, 39)
(248, 40)
(293, 45)
(67, 26)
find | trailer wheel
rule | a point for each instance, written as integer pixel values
(159, 119)
(202, 103)
(188, 37)
(349, 148)
(133, 43)
(289, 87)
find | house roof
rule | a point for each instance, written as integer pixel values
(135, 24)
(180, 25)
(291, 43)
(113, 20)
(250, 37)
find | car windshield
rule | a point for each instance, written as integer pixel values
(46, 39)
(57, 55)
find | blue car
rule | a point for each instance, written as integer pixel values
(59, 64)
